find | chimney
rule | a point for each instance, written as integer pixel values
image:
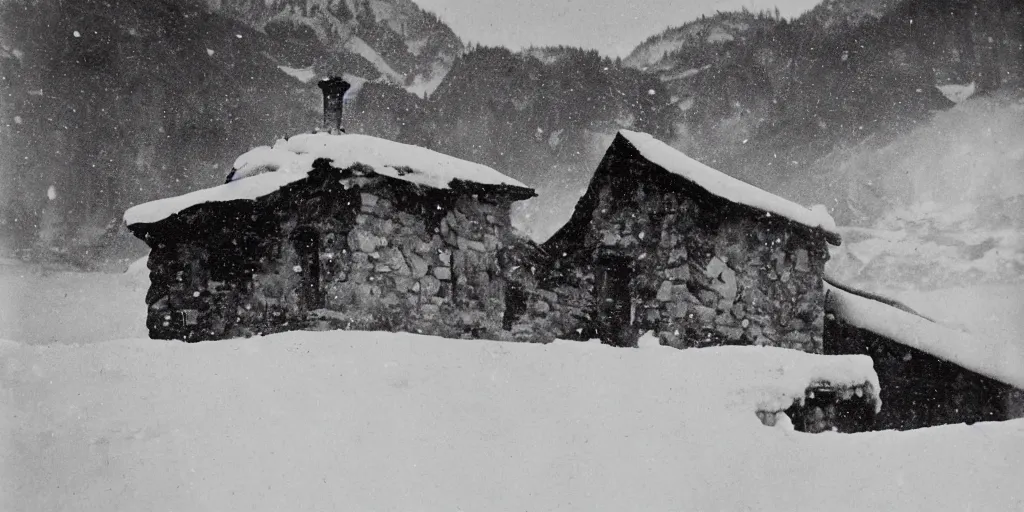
(334, 89)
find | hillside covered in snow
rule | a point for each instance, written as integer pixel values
(404, 45)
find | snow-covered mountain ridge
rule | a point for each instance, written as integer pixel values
(704, 34)
(406, 45)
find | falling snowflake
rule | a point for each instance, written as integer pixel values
(297, 268)
(17, 119)
(210, 52)
(77, 34)
(651, 92)
(51, 193)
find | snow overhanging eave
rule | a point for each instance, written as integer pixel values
(1001, 361)
(264, 170)
(728, 188)
(256, 187)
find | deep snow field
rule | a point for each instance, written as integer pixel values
(380, 421)
(70, 307)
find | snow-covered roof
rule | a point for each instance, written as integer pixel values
(727, 187)
(991, 357)
(264, 170)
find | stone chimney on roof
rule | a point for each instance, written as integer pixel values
(334, 89)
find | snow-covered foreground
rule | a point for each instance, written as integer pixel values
(70, 307)
(375, 421)
(378, 421)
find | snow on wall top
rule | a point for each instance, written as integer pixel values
(729, 188)
(999, 360)
(266, 169)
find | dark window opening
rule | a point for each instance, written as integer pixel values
(614, 302)
(307, 247)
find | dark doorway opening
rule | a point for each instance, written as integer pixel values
(612, 276)
(307, 246)
(515, 305)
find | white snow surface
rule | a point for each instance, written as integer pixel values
(725, 186)
(381, 421)
(266, 169)
(424, 85)
(359, 47)
(988, 311)
(957, 93)
(70, 307)
(996, 357)
(137, 273)
(304, 75)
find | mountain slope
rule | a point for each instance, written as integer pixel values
(776, 96)
(831, 14)
(406, 46)
(154, 98)
(157, 98)
(698, 41)
(108, 105)
(546, 123)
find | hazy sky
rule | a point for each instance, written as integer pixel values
(613, 27)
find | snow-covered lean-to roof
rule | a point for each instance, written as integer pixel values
(996, 359)
(727, 187)
(264, 170)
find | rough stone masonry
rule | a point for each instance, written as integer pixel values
(699, 270)
(381, 256)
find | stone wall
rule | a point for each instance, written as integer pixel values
(383, 255)
(544, 301)
(201, 286)
(827, 407)
(417, 265)
(380, 256)
(703, 272)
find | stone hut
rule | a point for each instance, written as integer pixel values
(662, 242)
(929, 374)
(331, 230)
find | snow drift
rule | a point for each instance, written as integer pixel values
(378, 421)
